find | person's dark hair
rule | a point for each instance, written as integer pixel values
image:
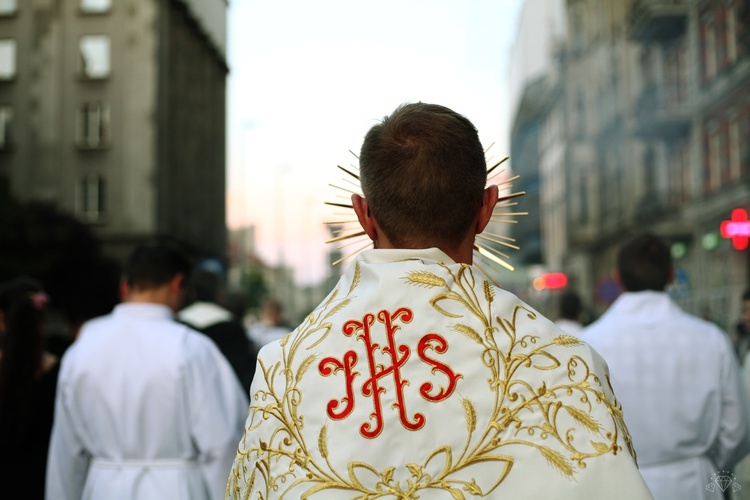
(645, 263)
(571, 306)
(206, 286)
(155, 264)
(423, 174)
(746, 295)
(22, 302)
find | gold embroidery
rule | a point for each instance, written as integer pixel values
(562, 429)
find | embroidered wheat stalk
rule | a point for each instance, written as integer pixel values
(337, 308)
(556, 460)
(356, 278)
(304, 366)
(471, 415)
(567, 341)
(469, 332)
(323, 442)
(582, 418)
(489, 292)
(425, 279)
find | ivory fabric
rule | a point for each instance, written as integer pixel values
(146, 408)
(678, 378)
(417, 378)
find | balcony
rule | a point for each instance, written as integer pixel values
(728, 88)
(662, 114)
(657, 20)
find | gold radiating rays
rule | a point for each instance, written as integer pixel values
(487, 245)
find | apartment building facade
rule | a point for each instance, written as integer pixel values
(647, 129)
(114, 110)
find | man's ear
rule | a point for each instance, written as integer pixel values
(175, 284)
(489, 200)
(124, 290)
(364, 216)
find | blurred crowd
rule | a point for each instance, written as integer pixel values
(164, 380)
(165, 374)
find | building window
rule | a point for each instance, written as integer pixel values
(710, 50)
(8, 7)
(95, 6)
(91, 190)
(7, 59)
(577, 25)
(581, 105)
(583, 199)
(94, 56)
(679, 173)
(6, 123)
(93, 126)
(735, 156)
(714, 158)
(675, 74)
(732, 33)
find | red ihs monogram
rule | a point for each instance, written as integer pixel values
(398, 355)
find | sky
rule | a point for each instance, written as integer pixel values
(309, 78)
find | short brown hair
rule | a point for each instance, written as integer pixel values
(645, 263)
(423, 174)
(154, 264)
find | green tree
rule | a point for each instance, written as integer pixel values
(254, 285)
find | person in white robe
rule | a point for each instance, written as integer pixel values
(146, 408)
(417, 377)
(677, 376)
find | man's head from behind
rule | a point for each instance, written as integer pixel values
(645, 263)
(423, 175)
(157, 272)
(206, 286)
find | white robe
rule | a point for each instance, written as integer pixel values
(146, 408)
(679, 383)
(418, 378)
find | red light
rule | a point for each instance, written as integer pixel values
(738, 229)
(552, 281)
(556, 280)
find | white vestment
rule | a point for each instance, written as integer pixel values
(146, 408)
(418, 378)
(679, 382)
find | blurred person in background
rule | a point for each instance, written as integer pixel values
(146, 407)
(28, 378)
(741, 340)
(270, 326)
(571, 309)
(741, 333)
(676, 374)
(219, 324)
